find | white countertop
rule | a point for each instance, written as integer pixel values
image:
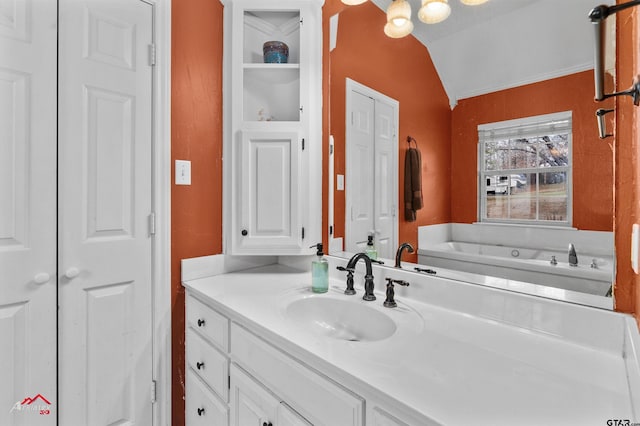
(449, 366)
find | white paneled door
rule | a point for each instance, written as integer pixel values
(371, 170)
(27, 212)
(105, 200)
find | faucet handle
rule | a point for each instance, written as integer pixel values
(390, 301)
(426, 271)
(379, 262)
(349, 290)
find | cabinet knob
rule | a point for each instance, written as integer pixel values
(199, 365)
(267, 424)
(244, 232)
(200, 322)
(41, 278)
(200, 411)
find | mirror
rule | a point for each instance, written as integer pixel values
(500, 61)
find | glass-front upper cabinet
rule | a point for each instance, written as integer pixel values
(271, 65)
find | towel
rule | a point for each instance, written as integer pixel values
(412, 184)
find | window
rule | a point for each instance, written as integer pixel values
(525, 170)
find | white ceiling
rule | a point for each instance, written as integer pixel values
(506, 43)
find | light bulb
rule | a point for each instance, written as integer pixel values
(398, 22)
(434, 11)
(399, 12)
(398, 32)
(353, 2)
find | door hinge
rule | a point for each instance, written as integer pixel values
(152, 223)
(152, 54)
(153, 392)
(303, 232)
(331, 149)
(303, 144)
(331, 230)
(229, 381)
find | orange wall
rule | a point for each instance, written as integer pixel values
(592, 157)
(401, 69)
(627, 163)
(196, 135)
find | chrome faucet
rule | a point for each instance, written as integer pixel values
(403, 246)
(368, 277)
(573, 257)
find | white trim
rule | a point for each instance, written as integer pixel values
(453, 99)
(527, 121)
(544, 120)
(161, 346)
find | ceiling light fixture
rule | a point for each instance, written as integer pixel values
(399, 14)
(434, 11)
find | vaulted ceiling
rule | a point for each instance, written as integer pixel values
(506, 43)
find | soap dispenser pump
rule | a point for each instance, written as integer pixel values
(371, 248)
(319, 271)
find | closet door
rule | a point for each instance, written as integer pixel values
(28, 212)
(105, 196)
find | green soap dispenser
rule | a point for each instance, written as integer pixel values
(371, 248)
(319, 272)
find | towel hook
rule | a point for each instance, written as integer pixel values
(410, 139)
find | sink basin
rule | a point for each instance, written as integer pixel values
(341, 319)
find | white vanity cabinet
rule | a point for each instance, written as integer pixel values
(272, 127)
(207, 365)
(251, 382)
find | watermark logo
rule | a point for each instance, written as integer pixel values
(38, 404)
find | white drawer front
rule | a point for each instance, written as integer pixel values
(202, 408)
(208, 322)
(206, 361)
(319, 400)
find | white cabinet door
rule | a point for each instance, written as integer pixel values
(28, 212)
(382, 418)
(269, 212)
(251, 404)
(288, 417)
(105, 147)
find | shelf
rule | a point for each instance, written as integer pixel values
(271, 75)
(263, 66)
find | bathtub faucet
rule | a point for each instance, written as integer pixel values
(573, 257)
(403, 246)
(368, 277)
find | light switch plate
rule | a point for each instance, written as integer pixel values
(635, 249)
(340, 182)
(183, 172)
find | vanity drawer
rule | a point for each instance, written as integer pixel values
(314, 396)
(208, 363)
(208, 322)
(201, 406)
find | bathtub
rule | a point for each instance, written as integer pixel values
(523, 264)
